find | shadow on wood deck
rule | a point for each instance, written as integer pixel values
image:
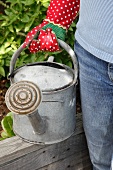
(71, 154)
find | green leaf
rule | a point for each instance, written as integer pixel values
(1, 62)
(28, 2)
(7, 125)
(11, 28)
(1, 16)
(10, 39)
(25, 18)
(45, 3)
(8, 49)
(8, 11)
(18, 27)
(14, 46)
(7, 62)
(4, 135)
(73, 24)
(41, 58)
(4, 24)
(58, 60)
(69, 63)
(17, 7)
(10, 114)
(2, 71)
(7, 85)
(28, 25)
(70, 29)
(1, 139)
(11, 1)
(6, 44)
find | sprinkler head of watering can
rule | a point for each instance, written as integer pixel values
(23, 98)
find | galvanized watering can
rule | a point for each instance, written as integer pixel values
(42, 97)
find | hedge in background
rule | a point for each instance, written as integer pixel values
(19, 17)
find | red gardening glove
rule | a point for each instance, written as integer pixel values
(60, 15)
(46, 42)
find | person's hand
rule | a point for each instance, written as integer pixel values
(41, 40)
(60, 15)
(47, 41)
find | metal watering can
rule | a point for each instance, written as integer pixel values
(42, 97)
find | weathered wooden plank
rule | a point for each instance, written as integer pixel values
(76, 161)
(16, 154)
(48, 154)
(15, 147)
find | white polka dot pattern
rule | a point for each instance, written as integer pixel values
(30, 36)
(61, 13)
(46, 42)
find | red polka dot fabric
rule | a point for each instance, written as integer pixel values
(31, 35)
(61, 13)
(46, 42)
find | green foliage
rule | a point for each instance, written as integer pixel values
(19, 17)
(7, 125)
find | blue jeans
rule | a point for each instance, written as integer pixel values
(96, 88)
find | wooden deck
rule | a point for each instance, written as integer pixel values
(71, 154)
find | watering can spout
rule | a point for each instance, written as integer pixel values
(37, 122)
(23, 98)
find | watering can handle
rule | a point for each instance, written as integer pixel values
(62, 44)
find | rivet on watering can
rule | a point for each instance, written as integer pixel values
(23, 98)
